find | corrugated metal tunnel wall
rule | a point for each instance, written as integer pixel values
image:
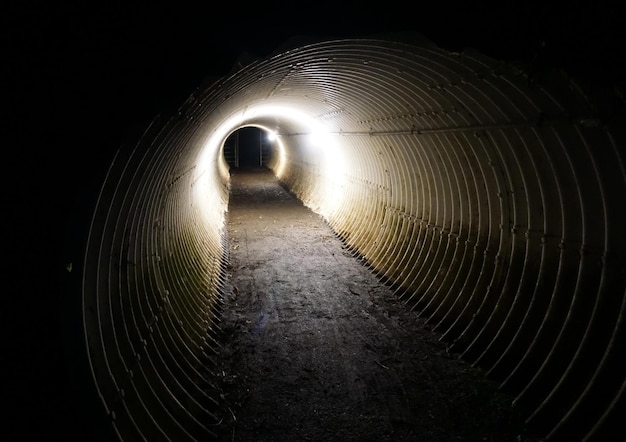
(492, 204)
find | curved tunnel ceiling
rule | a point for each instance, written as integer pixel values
(491, 204)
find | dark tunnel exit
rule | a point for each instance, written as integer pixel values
(248, 147)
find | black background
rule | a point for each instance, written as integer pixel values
(81, 78)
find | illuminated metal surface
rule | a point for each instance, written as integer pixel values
(492, 205)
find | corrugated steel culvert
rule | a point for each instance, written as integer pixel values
(493, 204)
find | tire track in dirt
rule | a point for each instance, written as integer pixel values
(317, 348)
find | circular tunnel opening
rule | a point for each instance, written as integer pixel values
(491, 204)
(249, 147)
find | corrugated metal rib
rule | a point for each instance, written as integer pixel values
(493, 207)
(149, 310)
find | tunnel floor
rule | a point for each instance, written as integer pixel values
(317, 348)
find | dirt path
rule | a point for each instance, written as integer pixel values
(318, 349)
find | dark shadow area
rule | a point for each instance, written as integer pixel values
(248, 147)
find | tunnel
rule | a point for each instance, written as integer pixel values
(491, 202)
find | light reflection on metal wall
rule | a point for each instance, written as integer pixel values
(492, 205)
